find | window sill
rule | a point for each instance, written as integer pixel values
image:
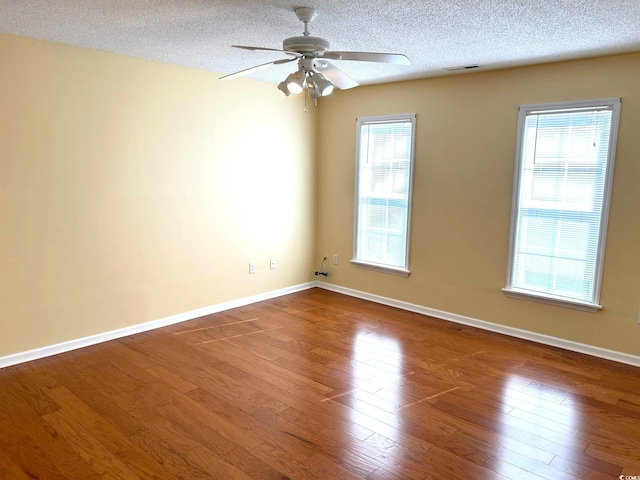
(382, 268)
(551, 300)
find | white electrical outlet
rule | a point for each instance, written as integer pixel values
(252, 267)
(272, 264)
(335, 258)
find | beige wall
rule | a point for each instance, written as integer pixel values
(462, 190)
(132, 190)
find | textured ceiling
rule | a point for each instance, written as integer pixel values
(434, 34)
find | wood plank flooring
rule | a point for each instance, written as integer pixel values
(317, 385)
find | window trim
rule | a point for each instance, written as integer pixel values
(523, 110)
(394, 270)
(378, 267)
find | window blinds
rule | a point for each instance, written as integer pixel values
(561, 201)
(384, 164)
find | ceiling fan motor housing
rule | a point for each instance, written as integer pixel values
(305, 44)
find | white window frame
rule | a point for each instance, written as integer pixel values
(510, 290)
(392, 269)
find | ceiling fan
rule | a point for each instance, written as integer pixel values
(315, 73)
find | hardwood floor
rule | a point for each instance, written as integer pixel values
(317, 385)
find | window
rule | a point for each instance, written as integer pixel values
(562, 185)
(384, 164)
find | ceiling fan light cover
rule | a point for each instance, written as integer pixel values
(313, 91)
(295, 82)
(324, 86)
(282, 87)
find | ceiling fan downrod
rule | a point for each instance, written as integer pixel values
(306, 15)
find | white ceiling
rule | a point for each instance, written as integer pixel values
(434, 34)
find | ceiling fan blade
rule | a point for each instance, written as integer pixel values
(246, 47)
(246, 71)
(337, 76)
(396, 58)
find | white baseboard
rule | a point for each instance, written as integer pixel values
(493, 327)
(43, 352)
(30, 355)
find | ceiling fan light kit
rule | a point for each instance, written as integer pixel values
(322, 85)
(295, 82)
(311, 53)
